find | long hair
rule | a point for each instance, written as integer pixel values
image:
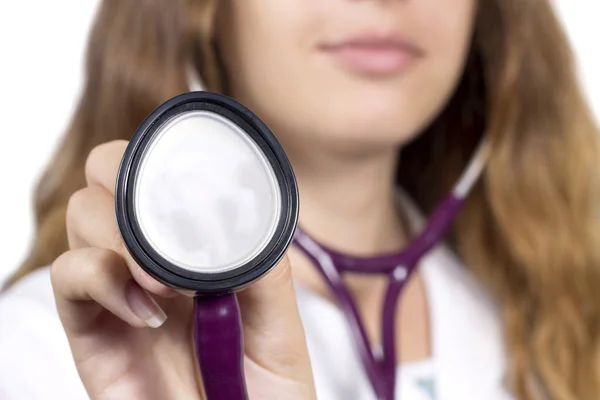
(530, 229)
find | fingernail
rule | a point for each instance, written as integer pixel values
(143, 305)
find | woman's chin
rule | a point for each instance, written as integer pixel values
(373, 132)
(359, 143)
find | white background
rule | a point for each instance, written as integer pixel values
(41, 53)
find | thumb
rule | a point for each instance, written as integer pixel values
(273, 332)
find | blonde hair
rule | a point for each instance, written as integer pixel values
(530, 229)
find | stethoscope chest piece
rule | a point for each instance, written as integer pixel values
(207, 202)
(206, 198)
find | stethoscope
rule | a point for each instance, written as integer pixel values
(207, 203)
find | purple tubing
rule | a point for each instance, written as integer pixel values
(220, 347)
(398, 266)
(217, 321)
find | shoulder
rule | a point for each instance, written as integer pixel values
(33, 344)
(35, 288)
(28, 303)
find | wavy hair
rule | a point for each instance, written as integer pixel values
(530, 230)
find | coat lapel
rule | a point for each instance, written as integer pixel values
(466, 331)
(467, 342)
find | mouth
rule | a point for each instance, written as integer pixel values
(374, 54)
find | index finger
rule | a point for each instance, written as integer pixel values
(101, 170)
(102, 164)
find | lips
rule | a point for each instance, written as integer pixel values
(374, 55)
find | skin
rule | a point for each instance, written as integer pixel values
(345, 168)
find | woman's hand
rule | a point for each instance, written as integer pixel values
(114, 313)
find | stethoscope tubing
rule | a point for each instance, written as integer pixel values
(219, 346)
(381, 371)
(398, 267)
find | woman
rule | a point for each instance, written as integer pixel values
(367, 98)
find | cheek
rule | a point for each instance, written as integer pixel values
(447, 38)
(268, 45)
(269, 61)
(446, 33)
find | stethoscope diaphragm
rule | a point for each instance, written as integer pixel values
(206, 198)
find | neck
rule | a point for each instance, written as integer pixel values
(348, 202)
